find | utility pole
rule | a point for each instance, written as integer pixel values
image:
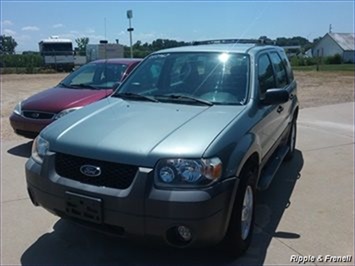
(130, 29)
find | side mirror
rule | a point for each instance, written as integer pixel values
(275, 96)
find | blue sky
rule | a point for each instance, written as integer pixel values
(30, 21)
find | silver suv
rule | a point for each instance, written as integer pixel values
(178, 152)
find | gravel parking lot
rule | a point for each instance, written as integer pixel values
(307, 212)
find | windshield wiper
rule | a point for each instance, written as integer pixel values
(84, 86)
(185, 97)
(65, 85)
(131, 95)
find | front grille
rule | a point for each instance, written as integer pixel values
(113, 175)
(37, 115)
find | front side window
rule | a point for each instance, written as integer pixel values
(219, 78)
(265, 75)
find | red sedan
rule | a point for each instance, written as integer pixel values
(90, 83)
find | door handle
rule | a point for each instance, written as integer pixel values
(280, 109)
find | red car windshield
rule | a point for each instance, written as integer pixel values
(95, 76)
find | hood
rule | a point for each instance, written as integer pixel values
(139, 133)
(57, 99)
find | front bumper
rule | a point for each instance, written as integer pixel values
(27, 127)
(141, 211)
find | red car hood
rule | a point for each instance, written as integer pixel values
(57, 99)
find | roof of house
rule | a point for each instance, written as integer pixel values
(344, 40)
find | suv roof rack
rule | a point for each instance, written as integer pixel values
(260, 41)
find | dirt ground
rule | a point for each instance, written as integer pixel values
(314, 89)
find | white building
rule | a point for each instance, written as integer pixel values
(104, 51)
(336, 43)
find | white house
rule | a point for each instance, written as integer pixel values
(336, 43)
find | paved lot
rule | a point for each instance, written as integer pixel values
(308, 210)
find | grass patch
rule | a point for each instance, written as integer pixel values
(341, 67)
(27, 70)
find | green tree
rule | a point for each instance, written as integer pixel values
(7, 44)
(82, 43)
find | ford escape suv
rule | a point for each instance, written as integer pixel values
(178, 152)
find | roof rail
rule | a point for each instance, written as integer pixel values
(260, 41)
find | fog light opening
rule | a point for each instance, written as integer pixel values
(184, 233)
(179, 236)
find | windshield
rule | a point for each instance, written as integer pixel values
(95, 76)
(219, 78)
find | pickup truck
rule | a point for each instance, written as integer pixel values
(178, 152)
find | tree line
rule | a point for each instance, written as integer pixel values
(30, 59)
(8, 44)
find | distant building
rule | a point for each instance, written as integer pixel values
(103, 50)
(292, 50)
(336, 43)
(308, 53)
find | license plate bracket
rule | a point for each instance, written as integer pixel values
(83, 207)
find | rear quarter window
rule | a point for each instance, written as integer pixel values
(287, 65)
(280, 70)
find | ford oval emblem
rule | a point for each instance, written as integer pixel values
(90, 170)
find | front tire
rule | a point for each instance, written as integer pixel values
(241, 224)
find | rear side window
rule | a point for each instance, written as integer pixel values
(265, 74)
(280, 71)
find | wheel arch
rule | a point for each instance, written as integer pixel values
(251, 156)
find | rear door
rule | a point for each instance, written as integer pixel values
(269, 117)
(283, 81)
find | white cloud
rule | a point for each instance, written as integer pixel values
(90, 30)
(30, 28)
(7, 23)
(74, 32)
(94, 38)
(67, 36)
(23, 37)
(59, 25)
(9, 32)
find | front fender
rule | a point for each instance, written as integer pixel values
(248, 145)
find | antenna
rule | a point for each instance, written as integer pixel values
(330, 28)
(105, 40)
(105, 26)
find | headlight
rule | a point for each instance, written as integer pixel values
(18, 109)
(39, 148)
(66, 111)
(187, 172)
